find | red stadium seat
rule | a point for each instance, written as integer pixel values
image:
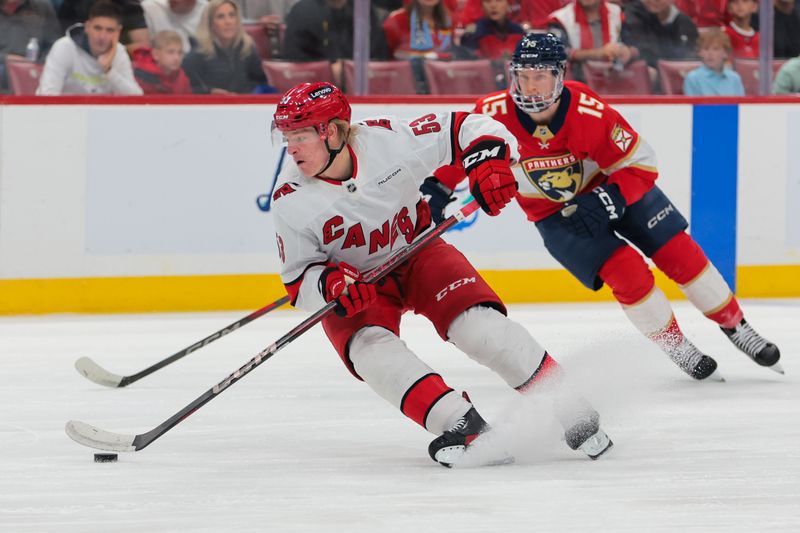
(474, 77)
(604, 79)
(260, 38)
(23, 76)
(672, 74)
(748, 70)
(384, 77)
(283, 75)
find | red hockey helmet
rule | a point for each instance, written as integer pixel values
(311, 105)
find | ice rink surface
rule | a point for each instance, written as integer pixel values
(299, 445)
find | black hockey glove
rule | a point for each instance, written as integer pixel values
(594, 213)
(438, 195)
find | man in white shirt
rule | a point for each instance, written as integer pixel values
(89, 59)
(182, 16)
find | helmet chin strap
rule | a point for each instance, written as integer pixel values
(332, 153)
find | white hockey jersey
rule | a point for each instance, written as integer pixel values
(367, 218)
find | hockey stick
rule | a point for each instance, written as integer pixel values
(94, 372)
(94, 437)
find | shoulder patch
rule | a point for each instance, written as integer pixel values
(380, 123)
(284, 190)
(621, 137)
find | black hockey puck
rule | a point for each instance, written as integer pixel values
(105, 458)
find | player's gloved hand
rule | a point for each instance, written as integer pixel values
(593, 213)
(438, 195)
(491, 181)
(343, 283)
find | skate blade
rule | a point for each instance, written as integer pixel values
(714, 376)
(777, 368)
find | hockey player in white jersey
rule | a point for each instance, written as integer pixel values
(347, 201)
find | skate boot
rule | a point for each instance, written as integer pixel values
(585, 435)
(450, 446)
(693, 361)
(760, 350)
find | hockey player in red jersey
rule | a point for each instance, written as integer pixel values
(586, 178)
(347, 201)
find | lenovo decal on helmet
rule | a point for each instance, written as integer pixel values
(311, 105)
(542, 52)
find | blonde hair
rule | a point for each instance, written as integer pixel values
(714, 36)
(165, 38)
(205, 35)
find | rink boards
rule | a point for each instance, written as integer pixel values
(115, 206)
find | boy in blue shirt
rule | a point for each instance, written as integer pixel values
(713, 77)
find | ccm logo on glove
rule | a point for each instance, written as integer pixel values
(491, 181)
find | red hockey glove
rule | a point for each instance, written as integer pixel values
(595, 212)
(491, 182)
(342, 283)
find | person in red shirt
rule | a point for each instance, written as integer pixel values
(704, 13)
(158, 70)
(495, 36)
(420, 29)
(744, 38)
(586, 178)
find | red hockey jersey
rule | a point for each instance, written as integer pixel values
(586, 143)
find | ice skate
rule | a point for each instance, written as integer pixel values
(694, 362)
(760, 350)
(449, 448)
(585, 435)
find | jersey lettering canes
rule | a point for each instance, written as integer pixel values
(364, 220)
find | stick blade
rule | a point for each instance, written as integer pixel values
(94, 372)
(99, 439)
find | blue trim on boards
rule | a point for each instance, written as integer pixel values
(715, 158)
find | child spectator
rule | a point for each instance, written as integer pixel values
(713, 77)
(158, 71)
(420, 29)
(495, 36)
(90, 58)
(590, 30)
(225, 60)
(744, 38)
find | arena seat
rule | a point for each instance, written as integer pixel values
(23, 76)
(672, 73)
(260, 38)
(748, 70)
(283, 75)
(384, 77)
(603, 78)
(475, 77)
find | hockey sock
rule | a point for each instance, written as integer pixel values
(683, 261)
(386, 364)
(493, 340)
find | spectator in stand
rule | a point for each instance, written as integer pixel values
(158, 71)
(744, 38)
(182, 16)
(787, 29)
(90, 58)
(788, 79)
(323, 29)
(134, 27)
(225, 60)
(658, 30)
(704, 13)
(421, 29)
(270, 13)
(466, 13)
(20, 21)
(590, 31)
(713, 77)
(495, 37)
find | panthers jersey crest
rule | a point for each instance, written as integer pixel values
(558, 177)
